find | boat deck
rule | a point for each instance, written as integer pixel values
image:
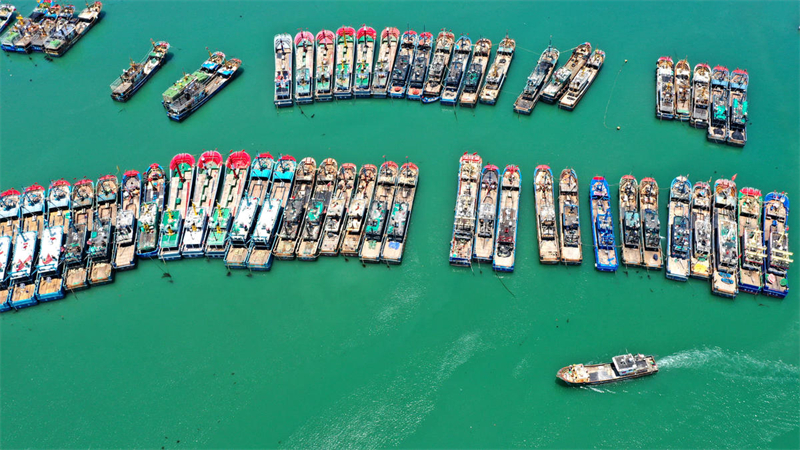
(101, 273)
(76, 278)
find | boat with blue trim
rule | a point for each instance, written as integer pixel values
(751, 236)
(486, 225)
(311, 231)
(419, 67)
(455, 73)
(382, 76)
(665, 88)
(365, 47)
(357, 211)
(546, 225)
(701, 231)
(570, 223)
(630, 221)
(337, 210)
(434, 82)
(234, 186)
(26, 247)
(560, 81)
(498, 71)
(345, 53)
(181, 168)
(8, 14)
(605, 248)
(720, 93)
(259, 256)
(193, 91)
(506, 242)
(700, 96)
(258, 186)
(154, 188)
(651, 224)
(394, 243)
(679, 234)
(776, 235)
(377, 215)
(294, 210)
(304, 68)
(323, 75)
(537, 80)
(101, 240)
(737, 132)
(402, 67)
(82, 222)
(726, 240)
(463, 240)
(49, 267)
(135, 76)
(476, 72)
(283, 70)
(66, 34)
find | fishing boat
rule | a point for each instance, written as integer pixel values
(737, 132)
(622, 367)
(259, 256)
(506, 241)
(486, 225)
(700, 96)
(182, 169)
(5, 258)
(720, 92)
(101, 240)
(154, 188)
(18, 38)
(605, 248)
(137, 74)
(751, 241)
(345, 53)
(357, 209)
(498, 72)
(294, 210)
(683, 90)
(402, 67)
(394, 243)
(630, 221)
(365, 44)
(283, 70)
(82, 222)
(26, 248)
(582, 81)
(311, 231)
(462, 242)
(377, 215)
(434, 82)
(726, 240)
(9, 213)
(304, 67)
(679, 234)
(546, 226)
(49, 278)
(206, 184)
(8, 13)
(337, 210)
(536, 81)
(65, 36)
(387, 53)
(234, 185)
(193, 232)
(125, 229)
(419, 68)
(455, 73)
(40, 32)
(323, 76)
(473, 78)
(32, 209)
(701, 244)
(651, 224)
(776, 237)
(570, 224)
(561, 79)
(665, 88)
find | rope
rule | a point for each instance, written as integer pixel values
(612, 93)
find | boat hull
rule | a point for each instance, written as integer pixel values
(122, 98)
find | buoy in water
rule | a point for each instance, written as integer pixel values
(626, 60)
(617, 128)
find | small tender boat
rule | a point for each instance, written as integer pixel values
(486, 225)
(375, 220)
(546, 225)
(357, 209)
(101, 240)
(402, 67)
(387, 53)
(560, 81)
(456, 71)
(506, 241)
(154, 188)
(125, 229)
(776, 235)
(570, 224)
(365, 44)
(461, 244)
(345, 53)
(7, 15)
(630, 221)
(498, 72)
(5, 258)
(295, 209)
(82, 216)
(651, 225)
(64, 37)
(679, 234)
(701, 231)
(700, 96)
(476, 71)
(9, 213)
(192, 91)
(311, 231)
(434, 83)
(234, 183)
(337, 210)
(665, 88)
(622, 367)
(137, 74)
(720, 92)
(537, 80)
(726, 240)
(605, 248)
(683, 90)
(751, 236)
(283, 70)
(259, 256)
(323, 76)
(182, 168)
(737, 132)
(304, 67)
(394, 243)
(582, 81)
(419, 68)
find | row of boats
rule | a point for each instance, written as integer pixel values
(344, 65)
(713, 99)
(246, 210)
(737, 239)
(50, 28)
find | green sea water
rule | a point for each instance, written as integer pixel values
(333, 354)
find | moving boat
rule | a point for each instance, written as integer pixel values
(419, 68)
(461, 245)
(137, 74)
(356, 211)
(582, 81)
(776, 235)
(345, 52)
(605, 248)
(259, 256)
(726, 240)
(82, 216)
(665, 89)
(402, 67)
(49, 278)
(751, 263)
(337, 210)
(473, 79)
(700, 96)
(194, 90)
(560, 81)
(737, 133)
(506, 241)
(365, 44)
(125, 230)
(498, 72)
(455, 74)
(26, 248)
(434, 82)
(375, 220)
(570, 224)
(7, 15)
(311, 232)
(683, 90)
(101, 239)
(176, 210)
(720, 91)
(65, 36)
(385, 63)
(546, 226)
(283, 70)
(304, 67)
(486, 225)
(323, 77)
(295, 209)
(622, 367)
(234, 183)
(701, 231)
(630, 221)
(258, 187)
(651, 224)
(9, 213)
(679, 234)
(154, 188)
(394, 243)
(537, 80)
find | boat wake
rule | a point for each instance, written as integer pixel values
(728, 363)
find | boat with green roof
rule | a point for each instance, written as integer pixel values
(366, 50)
(237, 168)
(67, 34)
(182, 169)
(323, 81)
(345, 52)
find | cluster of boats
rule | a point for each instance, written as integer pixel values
(713, 99)
(193, 90)
(245, 210)
(344, 65)
(50, 28)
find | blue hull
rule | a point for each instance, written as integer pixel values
(15, 49)
(427, 100)
(24, 303)
(777, 294)
(414, 97)
(400, 94)
(502, 268)
(749, 288)
(449, 102)
(674, 277)
(362, 94)
(262, 268)
(50, 297)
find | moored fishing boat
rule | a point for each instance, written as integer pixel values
(304, 67)
(665, 88)
(193, 232)
(700, 96)
(357, 211)
(9, 213)
(194, 90)
(294, 210)
(323, 76)
(137, 74)
(311, 230)
(58, 203)
(561, 79)
(18, 38)
(8, 13)
(498, 72)
(751, 241)
(394, 244)
(776, 236)
(683, 90)
(679, 233)
(402, 67)
(387, 53)
(651, 224)
(605, 248)
(582, 81)
(283, 70)
(365, 38)
(546, 224)
(486, 224)
(570, 223)
(5, 258)
(462, 242)
(66, 35)
(101, 240)
(49, 278)
(622, 367)
(259, 256)
(726, 240)
(720, 92)
(345, 53)
(630, 222)
(737, 132)
(377, 215)
(701, 231)
(536, 81)
(234, 184)
(455, 73)
(473, 78)
(419, 67)
(82, 222)
(337, 210)
(126, 227)
(26, 247)
(206, 182)
(434, 82)
(506, 242)
(176, 210)
(154, 188)
(40, 32)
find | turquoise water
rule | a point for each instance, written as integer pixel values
(335, 355)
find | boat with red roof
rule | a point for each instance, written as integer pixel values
(49, 268)
(182, 169)
(304, 67)
(387, 53)
(234, 185)
(258, 185)
(365, 52)
(323, 76)
(9, 213)
(26, 248)
(486, 225)
(345, 52)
